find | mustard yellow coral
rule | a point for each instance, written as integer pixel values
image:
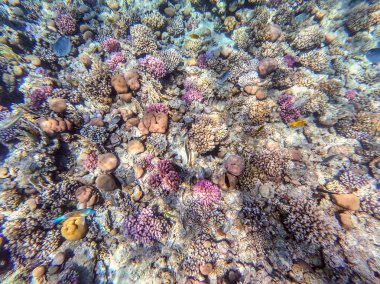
(74, 228)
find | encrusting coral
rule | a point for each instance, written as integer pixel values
(74, 228)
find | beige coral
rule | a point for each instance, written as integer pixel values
(308, 38)
(143, 39)
(54, 125)
(259, 111)
(206, 133)
(315, 60)
(154, 20)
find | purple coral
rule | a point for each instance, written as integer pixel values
(290, 61)
(287, 112)
(147, 227)
(202, 61)
(115, 60)
(66, 24)
(111, 45)
(192, 95)
(148, 162)
(39, 95)
(206, 192)
(91, 161)
(154, 66)
(350, 94)
(166, 176)
(157, 107)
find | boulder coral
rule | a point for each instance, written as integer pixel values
(74, 228)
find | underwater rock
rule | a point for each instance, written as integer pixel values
(57, 105)
(346, 219)
(135, 147)
(267, 66)
(107, 162)
(74, 228)
(105, 182)
(132, 79)
(86, 196)
(39, 271)
(347, 201)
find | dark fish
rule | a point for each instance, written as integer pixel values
(224, 77)
(325, 161)
(258, 130)
(62, 46)
(373, 55)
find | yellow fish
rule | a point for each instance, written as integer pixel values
(193, 35)
(297, 123)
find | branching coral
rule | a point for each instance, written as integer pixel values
(315, 60)
(242, 37)
(206, 133)
(206, 193)
(147, 227)
(259, 111)
(143, 39)
(272, 162)
(154, 20)
(309, 38)
(307, 222)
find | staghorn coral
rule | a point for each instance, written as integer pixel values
(96, 84)
(309, 38)
(315, 60)
(171, 57)
(115, 59)
(242, 37)
(154, 20)
(206, 133)
(272, 162)
(250, 78)
(332, 87)
(269, 49)
(307, 222)
(353, 181)
(143, 39)
(146, 227)
(259, 111)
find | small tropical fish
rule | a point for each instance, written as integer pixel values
(193, 35)
(258, 130)
(79, 213)
(297, 123)
(224, 77)
(10, 121)
(62, 46)
(373, 55)
(325, 161)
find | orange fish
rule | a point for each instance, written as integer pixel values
(193, 35)
(297, 123)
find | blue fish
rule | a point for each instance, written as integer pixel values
(62, 46)
(79, 213)
(373, 55)
(224, 77)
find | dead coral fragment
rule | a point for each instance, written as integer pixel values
(206, 133)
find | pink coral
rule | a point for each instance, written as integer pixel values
(157, 107)
(287, 111)
(206, 192)
(166, 176)
(350, 94)
(111, 45)
(91, 161)
(66, 24)
(115, 60)
(154, 66)
(148, 162)
(147, 227)
(202, 61)
(192, 95)
(154, 180)
(39, 95)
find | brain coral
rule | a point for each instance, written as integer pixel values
(74, 228)
(206, 133)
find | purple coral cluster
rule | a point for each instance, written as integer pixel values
(39, 95)
(166, 176)
(202, 61)
(148, 162)
(115, 60)
(91, 161)
(287, 111)
(111, 45)
(147, 227)
(350, 94)
(66, 24)
(154, 66)
(206, 192)
(192, 95)
(290, 61)
(157, 107)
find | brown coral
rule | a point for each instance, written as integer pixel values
(55, 125)
(154, 122)
(86, 196)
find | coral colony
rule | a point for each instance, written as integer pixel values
(197, 141)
